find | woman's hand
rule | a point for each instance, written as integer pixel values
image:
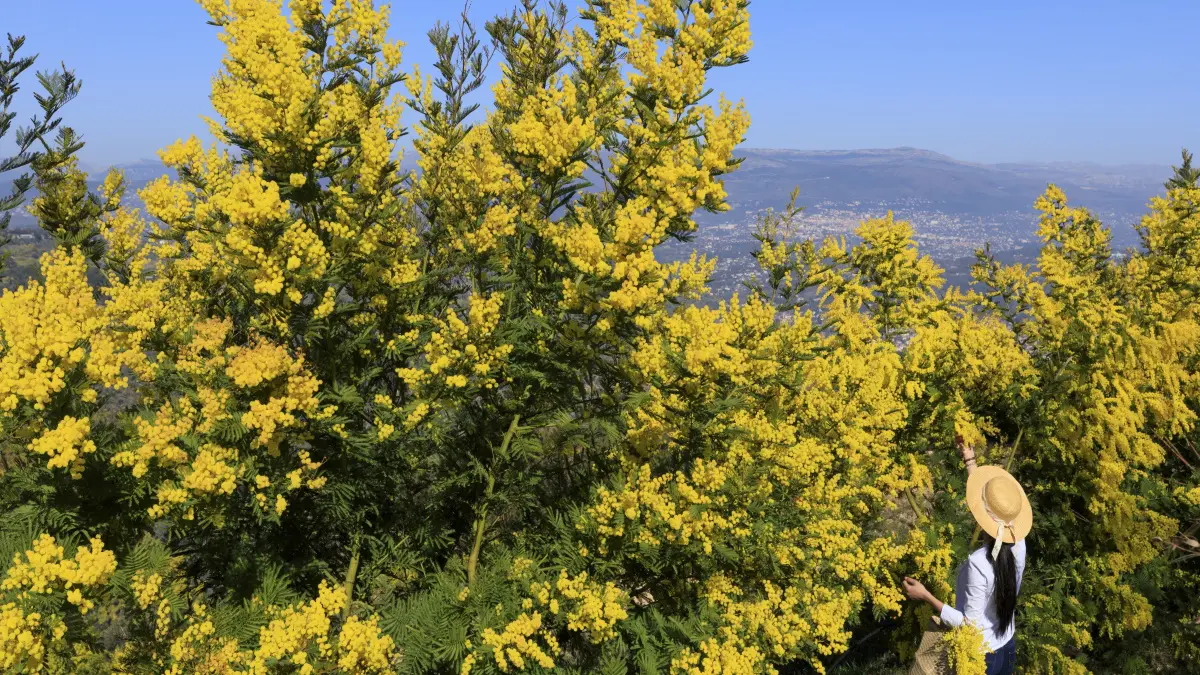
(915, 590)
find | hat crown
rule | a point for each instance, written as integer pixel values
(1002, 495)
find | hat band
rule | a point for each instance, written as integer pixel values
(1000, 522)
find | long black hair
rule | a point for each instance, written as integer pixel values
(1004, 568)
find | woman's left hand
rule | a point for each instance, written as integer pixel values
(915, 590)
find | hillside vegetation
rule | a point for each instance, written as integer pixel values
(331, 416)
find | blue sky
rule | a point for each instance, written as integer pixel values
(1100, 80)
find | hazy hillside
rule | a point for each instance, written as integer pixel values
(767, 176)
(955, 206)
(137, 173)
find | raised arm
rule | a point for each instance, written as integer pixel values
(967, 452)
(972, 591)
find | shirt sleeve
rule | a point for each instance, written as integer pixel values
(971, 598)
(951, 616)
(1019, 554)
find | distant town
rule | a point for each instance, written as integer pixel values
(950, 238)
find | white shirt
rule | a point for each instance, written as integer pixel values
(974, 596)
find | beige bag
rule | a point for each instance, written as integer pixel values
(931, 658)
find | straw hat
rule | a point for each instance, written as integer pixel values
(996, 499)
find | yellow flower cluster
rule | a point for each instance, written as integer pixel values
(300, 637)
(300, 628)
(807, 617)
(22, 649)
(461, 352)
(51, 330)
(1164, 277)
(66, 444)
(62, 201)
(973, 354)
(250, 201)
(361, 648)
(203, 351)
(678, 69)
(619, 21)
(519, 642)
(240, 226)
(552, 131)
(688, 279)
(122, 231)
(667, 508)
(251, 366)
(898, 277)
(715, 657)
(481, 194)
(359, 22)
(1106, 426)
(293, 388)
(590, 607)
(670, 172)
(45, 330)
(731, 342)
(197, 649)
(304, 476)
(146, 588)
(965, 650)
(272, 93)
(135, 310)
(799, 470)
(303, 632)
(162, 619)
(251, 204)
(628, 261)
(156, 439)
(328, 302)
(211, 471)
(279, 389)
(269, 77)
(44, 569)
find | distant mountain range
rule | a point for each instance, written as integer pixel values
(891, 176)
(137, 173)
(767, 176)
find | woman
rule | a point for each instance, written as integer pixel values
(990, 579)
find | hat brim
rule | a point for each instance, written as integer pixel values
(1024, 521)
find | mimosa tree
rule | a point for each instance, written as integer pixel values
(327, 415)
